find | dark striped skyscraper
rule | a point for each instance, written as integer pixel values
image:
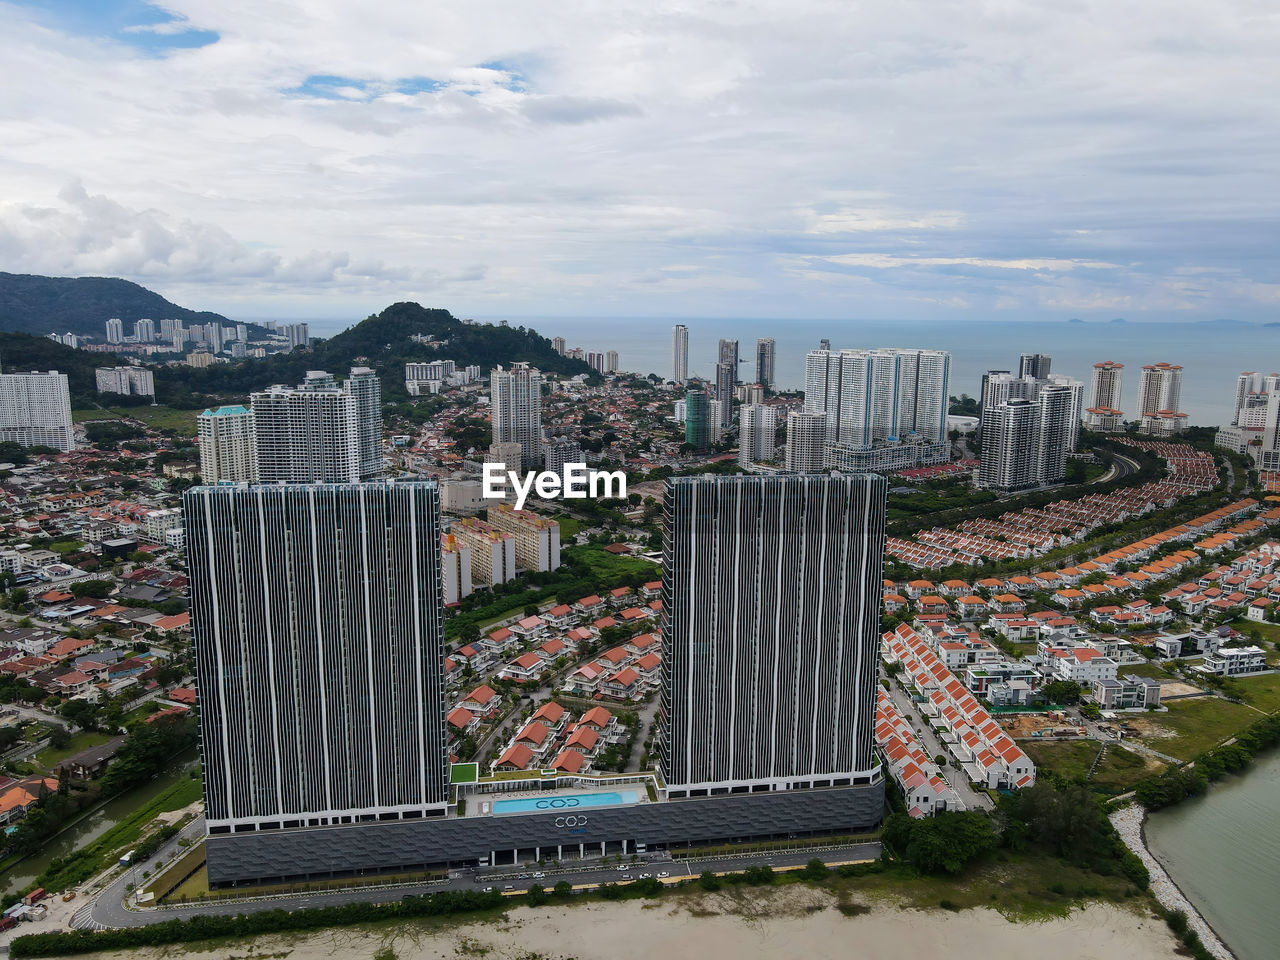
(317, 612)
(771, 619)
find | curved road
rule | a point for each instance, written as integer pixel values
(109, 910)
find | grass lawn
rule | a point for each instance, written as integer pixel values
(1120, 770)
(80, 416)
(1153, 670)
(50, 757)
(612, 567)
(1262, 692)
(569, 527)
(162, 418)
(1193, 726)
(1066, 758)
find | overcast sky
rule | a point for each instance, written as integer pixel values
(1007, 160)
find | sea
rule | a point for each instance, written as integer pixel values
(1223, 851)
(1212, 353)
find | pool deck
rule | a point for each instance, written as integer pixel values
(476, 803)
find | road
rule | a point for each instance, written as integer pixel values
(108, 909)
(972, 799)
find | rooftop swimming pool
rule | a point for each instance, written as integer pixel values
(562, 802)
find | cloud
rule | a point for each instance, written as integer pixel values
(1030, 159)
(92, 234)
(884, 261)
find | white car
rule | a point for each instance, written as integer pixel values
(646, 876)
(539, 876)
(664, 873)
(622, 868)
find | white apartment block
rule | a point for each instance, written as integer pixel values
(455, 569)
(516, 398)
(128, 381)
(757, 433)
(493, 552)
(115, 330)
(1160, 389)
(806, 441)
(885, 408)
(1104, 413)
(35, 410)
(157, 524)
(537, 539)
(679, 353)
(227, 445)
(319, 431)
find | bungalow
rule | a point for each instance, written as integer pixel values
(616, 656)
(526, 667)
(17, 798)
(570, 761)
(918, 588)
(73, 684)
(1070, 598)
(483, 700)
(586, 679)
(604, 623)
(632, 614)
(932, 604)
(516, 757)
(91, 762)
(551, 715)
(649, 667)
(600, 720)
(954, 588)
(619, 595)
(652, 589)
(588, 605)
(1008, 603)
(70, 647)
(971, 607)
(529, 627)
(473, 656)
(642, 643)
(462, 721)
(624, 685)
(1258, 609)
(553, 650)
(559, 616)
(583, 739)
(184, 695)
(536, 736)
(452, 670)
(576, 637)
(893, 602)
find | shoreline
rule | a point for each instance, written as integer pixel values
(747, 924)
(1130, 823)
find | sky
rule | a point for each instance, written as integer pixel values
(975, 159)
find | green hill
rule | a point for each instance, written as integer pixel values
(82, 305)
(382, 341)
(20, 352)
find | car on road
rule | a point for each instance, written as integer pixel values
(508, 887)
(646, 876)
(623, 868)
(488, 889)
(664, 873)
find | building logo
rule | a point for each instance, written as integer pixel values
(577, 483)
(571, 821)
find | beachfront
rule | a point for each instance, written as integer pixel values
(796, 921)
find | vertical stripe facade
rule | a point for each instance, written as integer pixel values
(317, 619)
(771, 616)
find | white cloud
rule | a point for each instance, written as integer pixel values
(885, 261)
(560, 158)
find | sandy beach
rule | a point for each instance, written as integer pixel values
(795, 922)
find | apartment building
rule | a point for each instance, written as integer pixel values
(537, 538)
(493, 552)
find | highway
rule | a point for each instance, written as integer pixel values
(109, 910)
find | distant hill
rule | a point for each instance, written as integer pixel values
(382, 341)
(20, 352)
(82, 305)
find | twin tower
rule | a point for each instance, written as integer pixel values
(318, 623)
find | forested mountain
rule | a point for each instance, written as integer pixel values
(82, 305)
(20, 352)
(382, 341)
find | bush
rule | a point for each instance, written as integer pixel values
(709, 881)
(815, 870)
(563, 889)
(199, 928)
(536, 896)
(1177, 921)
